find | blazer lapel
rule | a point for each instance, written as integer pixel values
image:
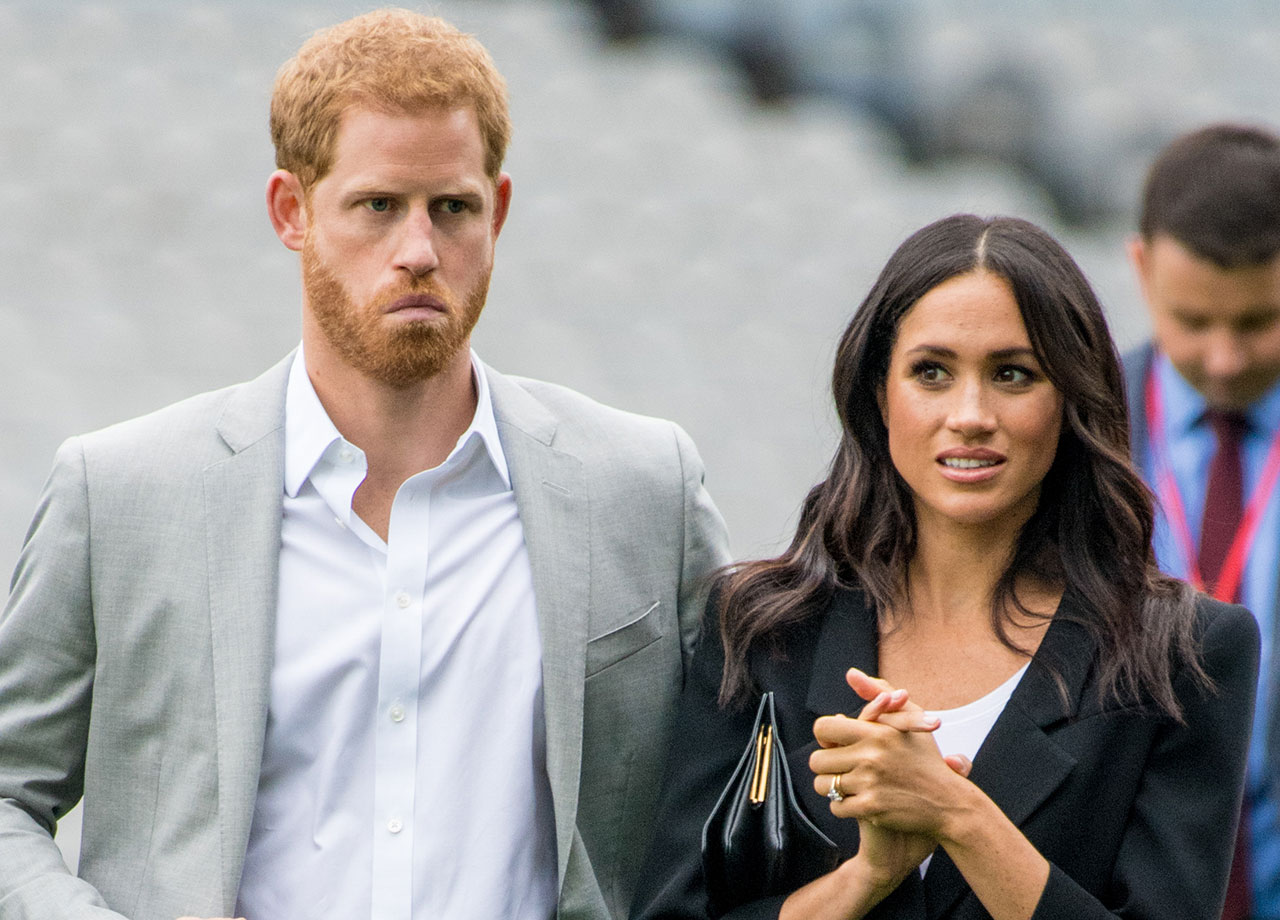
(243, 495)
(1019, 765)
(849, 639)
(551, 496)
(1272, 701)
(1137, 366)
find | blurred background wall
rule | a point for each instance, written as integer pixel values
(704, 191)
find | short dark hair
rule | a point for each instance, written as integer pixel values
(1217, 192)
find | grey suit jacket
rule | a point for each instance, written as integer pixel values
(136, 646)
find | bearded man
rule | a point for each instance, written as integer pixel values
(382, 633)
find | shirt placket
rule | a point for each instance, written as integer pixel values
(396, 736)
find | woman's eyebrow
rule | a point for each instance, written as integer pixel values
(1000, 354)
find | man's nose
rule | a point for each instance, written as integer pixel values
(416, 251)
(1224, 355)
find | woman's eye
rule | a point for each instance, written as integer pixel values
(378, 205)
(1015, 375)
(928, 372)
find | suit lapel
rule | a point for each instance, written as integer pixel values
(849, 639)
(1019, 765)
(1272, 701)
(551, 496)
(243, 495)
(1137, 365)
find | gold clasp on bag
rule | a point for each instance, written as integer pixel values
(760, 774)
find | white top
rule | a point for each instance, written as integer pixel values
(963, 729)
(404, 770)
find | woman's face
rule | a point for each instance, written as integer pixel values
(973, 421)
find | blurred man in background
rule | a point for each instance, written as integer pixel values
(383, 632)
(1205, 403)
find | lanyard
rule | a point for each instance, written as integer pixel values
(1167, 490)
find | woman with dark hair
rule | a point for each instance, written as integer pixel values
(982, 543)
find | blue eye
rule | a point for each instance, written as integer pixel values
(453, 206)
(379, 205)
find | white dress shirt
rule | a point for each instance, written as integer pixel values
(404, 770)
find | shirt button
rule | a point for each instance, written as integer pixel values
(395, 826)
(402, 599)
(346, 455)
(397, 713)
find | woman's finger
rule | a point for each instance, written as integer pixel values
(865, 685)
(830, 785)
(836, 731)
(882, 703)
(909, 720)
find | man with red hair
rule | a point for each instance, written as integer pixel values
(383, 632)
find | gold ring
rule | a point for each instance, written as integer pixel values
(834, 793)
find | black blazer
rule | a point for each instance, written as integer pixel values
(1135, 814)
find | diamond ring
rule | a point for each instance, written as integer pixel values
(834, 793)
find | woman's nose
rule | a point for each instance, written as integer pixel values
(970, 412)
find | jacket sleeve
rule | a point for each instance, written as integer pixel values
(47, 660)
(1176, 849)
(706, 544)
(706, 746)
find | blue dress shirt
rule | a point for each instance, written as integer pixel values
(1189, 447)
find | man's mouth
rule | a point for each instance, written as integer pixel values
(416, 302)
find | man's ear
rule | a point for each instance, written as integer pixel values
(1140, 256)
(501, 202)
(287, 208)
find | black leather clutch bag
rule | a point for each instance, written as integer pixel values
(757, 842)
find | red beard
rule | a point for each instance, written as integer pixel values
(398, 354)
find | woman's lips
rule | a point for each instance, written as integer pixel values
(970, 464)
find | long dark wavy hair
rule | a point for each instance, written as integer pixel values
(1091, 531)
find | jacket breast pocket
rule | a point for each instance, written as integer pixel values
(637, 633)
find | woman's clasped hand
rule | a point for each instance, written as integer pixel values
(859, 755)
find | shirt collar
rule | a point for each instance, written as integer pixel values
(1185, 407)
(309, 432)
(485, 424)
(1264, 413)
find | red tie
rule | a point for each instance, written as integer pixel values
(1224, 499)
(1223, 508)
